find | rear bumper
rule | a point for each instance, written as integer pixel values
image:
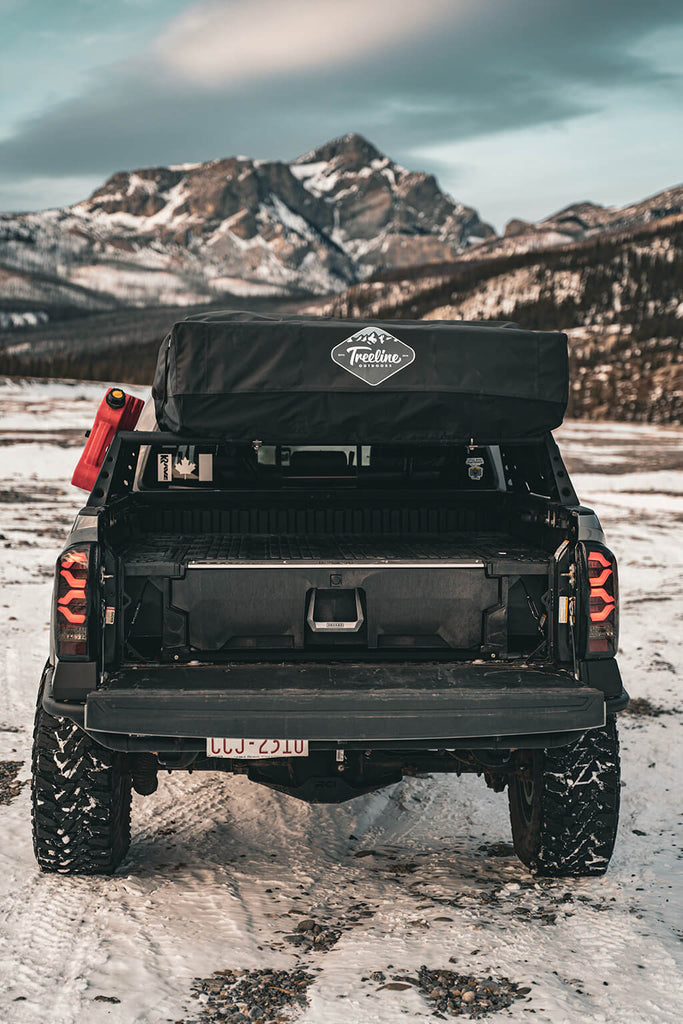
(338, 704)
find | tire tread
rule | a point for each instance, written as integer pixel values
(576, 814)
(81, 800)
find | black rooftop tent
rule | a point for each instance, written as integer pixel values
(314, 380)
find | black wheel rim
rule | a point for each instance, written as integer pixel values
(526, 791)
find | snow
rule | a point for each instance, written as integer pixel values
(317, 177)
(238, 286)
(9, 320)
(71, 404)
(290, 219)
(138, 184)
(168, 215)
(218, 865)
(136, 286)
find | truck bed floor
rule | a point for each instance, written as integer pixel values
(145, 555)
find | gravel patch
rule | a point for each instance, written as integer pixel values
(10, 787)
(524, 899)
(463, 995)
(311, 936)
(250, 997)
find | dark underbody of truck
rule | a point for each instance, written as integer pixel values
(328, 617)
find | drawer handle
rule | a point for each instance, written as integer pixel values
(335, 627)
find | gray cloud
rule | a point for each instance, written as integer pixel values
(507, 64)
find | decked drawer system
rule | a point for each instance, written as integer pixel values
(214, 593)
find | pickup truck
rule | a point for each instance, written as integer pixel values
(332, 554)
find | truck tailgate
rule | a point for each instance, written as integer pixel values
(344, 702)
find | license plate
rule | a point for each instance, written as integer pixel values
(254, 749)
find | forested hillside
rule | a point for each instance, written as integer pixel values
(619, 297)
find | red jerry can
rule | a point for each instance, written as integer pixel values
(117, 411)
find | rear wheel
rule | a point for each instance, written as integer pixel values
(564, 805)
(81, 800)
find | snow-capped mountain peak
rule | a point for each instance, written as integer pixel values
(193, 232)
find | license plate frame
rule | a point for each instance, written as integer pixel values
(243, 749)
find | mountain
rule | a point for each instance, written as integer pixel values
(200, 232)
(579, 222)
(204, 233)
(383, 215)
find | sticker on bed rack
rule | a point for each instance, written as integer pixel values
(372, 355)
(186, 465)
(563, 610)
(475, 468)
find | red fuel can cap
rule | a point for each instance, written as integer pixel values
(116, 398)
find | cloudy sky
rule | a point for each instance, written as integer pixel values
(518, 106)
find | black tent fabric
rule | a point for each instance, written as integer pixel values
(314, 380)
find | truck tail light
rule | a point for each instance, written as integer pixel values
(73, 603)
(599, 602)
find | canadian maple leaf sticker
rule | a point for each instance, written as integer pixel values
(184, 467)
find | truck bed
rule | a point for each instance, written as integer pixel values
(208, 594)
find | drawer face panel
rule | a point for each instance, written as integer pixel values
(401, 605)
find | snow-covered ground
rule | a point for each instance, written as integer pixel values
(220, 869)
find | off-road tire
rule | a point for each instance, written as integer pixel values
(564, 813)
(81, 797)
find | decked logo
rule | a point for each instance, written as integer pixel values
(373, 355)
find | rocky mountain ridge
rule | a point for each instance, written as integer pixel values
(202, 233)
(582, 221)
(199, 232)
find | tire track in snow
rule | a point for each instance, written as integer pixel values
(222, 901)
(51, 922)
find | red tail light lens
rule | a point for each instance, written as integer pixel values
(72, 603)
(600, 598)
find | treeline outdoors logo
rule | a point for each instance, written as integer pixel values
(373, 355)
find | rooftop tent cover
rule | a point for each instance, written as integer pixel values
(302, 379)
